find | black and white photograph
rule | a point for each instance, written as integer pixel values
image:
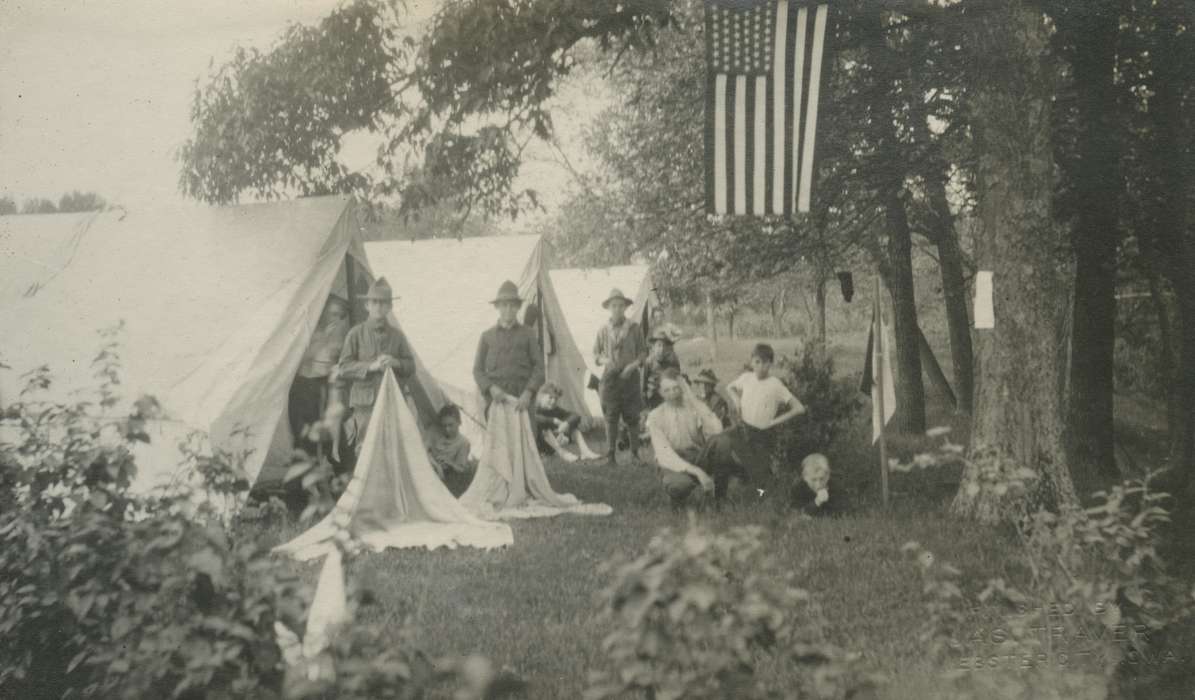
(597, 349)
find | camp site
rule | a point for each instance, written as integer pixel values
(763, 349)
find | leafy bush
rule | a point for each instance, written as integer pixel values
(104, 594)
(697, 614)
(1091, 594)
(831, 404)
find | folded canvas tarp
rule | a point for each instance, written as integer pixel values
(580, 293)
(446, 286)
(217, 305)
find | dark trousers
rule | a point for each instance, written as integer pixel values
(717, 457)
(621, 401)
(305, 406)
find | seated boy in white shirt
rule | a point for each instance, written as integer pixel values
(763, 403)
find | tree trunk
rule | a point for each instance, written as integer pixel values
(711, 327)
(954, 293)
(1096, 177)
(1019, 401)
(820, 295)
(1172, 240)
(910, 388)
(1166, 358)
(778, 310)
(730, 322)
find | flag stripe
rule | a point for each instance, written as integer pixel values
(740, 144)
(761, 144)
(777, 124)
(815, 74)
(731, 90)
(748, 145)
(798, 91)
(720, 144)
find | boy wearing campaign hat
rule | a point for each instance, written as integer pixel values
(620, 350)
(509, 364)
(705, 387)
(370, 348)
(660, 356)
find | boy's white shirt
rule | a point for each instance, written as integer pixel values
(760, 398)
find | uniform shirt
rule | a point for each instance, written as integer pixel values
(762, 398)
(678, 428)
(618, 346)
(449, 453)
(511, 358)
(718, 405)
(365, 342)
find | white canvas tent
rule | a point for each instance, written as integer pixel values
(446, 286)
(580, 293)
(217, 305)
(34, 248)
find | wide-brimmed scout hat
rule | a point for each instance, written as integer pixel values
(380, 291)
(507, 292)
(616, 293)
(707, 376)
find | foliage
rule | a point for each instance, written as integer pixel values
(8, 205)
(1092, 596)
(831, 404)
(110, 595)
(105, 595)
(464, 99)
(698, 613)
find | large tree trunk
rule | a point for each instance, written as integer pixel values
(1174, 242)
(1166, 360)
(1096, 176)
(910, 389)
(1019, 402)
(954, 293)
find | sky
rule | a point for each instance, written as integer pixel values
(95, 94)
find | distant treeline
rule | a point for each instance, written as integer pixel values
(69, 202)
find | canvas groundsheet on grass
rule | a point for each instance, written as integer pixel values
(511, 482)
(395, 498)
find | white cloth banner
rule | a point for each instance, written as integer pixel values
(510, 480)
(395, 498)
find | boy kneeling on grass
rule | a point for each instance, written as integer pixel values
(449, 451)
(556, 427)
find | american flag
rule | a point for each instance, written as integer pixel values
(764, 61)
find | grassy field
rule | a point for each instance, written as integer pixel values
(532, 607)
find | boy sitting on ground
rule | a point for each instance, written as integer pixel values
(556, 427)
(449, 451)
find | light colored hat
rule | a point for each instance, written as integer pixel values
(380, 291)
(507, 292)
(616, 293)
(707, 376)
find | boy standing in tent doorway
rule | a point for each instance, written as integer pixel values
(509, 365)
(620, 351)
(371, 348)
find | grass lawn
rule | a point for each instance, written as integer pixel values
(532, 607)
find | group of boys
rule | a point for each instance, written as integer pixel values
(694, 435)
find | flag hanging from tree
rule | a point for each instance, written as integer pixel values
(877, 371)
(763, 79)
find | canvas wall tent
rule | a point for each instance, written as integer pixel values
(218, 304)
(36, 247)
(446, 286)
(580, 293)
